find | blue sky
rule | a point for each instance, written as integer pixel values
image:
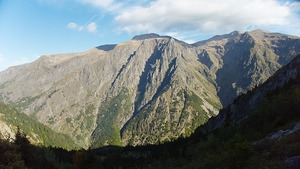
(31, 28)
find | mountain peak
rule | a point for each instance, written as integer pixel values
(258, 33)
(230, 35)
(142, 91)
(148, 36)
(234, 33)
(219, 37)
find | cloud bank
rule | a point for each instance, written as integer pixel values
(202, 15)
(187, 18)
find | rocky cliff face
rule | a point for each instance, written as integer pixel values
(147, 90)
(245, 104)
(238, 62)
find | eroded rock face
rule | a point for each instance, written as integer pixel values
(245, 104)
(147, 90)
(6, 132)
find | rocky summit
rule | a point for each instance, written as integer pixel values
(148, 90)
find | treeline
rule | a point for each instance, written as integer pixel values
(39, 133)
(229, 147)
(20, 154)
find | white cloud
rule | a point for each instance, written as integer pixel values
(91, 27)
(202, 16)
(72, 25)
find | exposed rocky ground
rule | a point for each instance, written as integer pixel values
(148, 90)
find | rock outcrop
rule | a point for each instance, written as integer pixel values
(147, 90)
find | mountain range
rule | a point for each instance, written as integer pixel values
(260, 129)
(151, 89)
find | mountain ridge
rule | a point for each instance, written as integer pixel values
(246, 103)
(142, 91)
(238, 143)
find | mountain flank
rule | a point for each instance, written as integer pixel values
(266, 136)
(149, 90)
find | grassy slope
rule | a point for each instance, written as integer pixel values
(226, 148)
(38, 132)
(232, 147)
(107, 132)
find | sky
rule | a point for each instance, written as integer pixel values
(32, 28)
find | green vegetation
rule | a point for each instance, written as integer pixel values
(233, 147)
(193, 106)
(26, 101)
(86, 118)
(242, 146)
(22, 155)
(80, 125)
(279, 109)
(107, 131)
(160, 131)
(38, 132)
(3, 85)
(51, 120)
(68, 120)
(134, 131)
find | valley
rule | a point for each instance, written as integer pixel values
(149, 90)
(267, 135)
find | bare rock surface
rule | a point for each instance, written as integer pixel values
(148, 90)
